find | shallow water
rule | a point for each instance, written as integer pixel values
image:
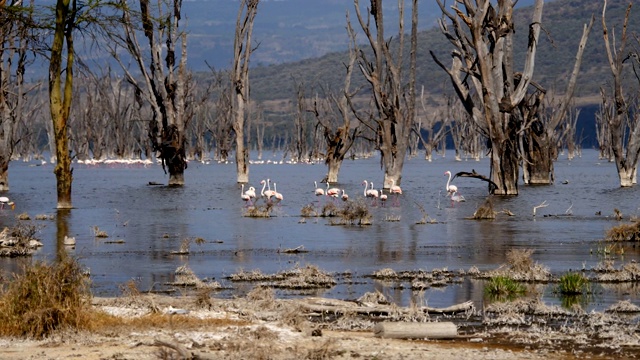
(153, 220)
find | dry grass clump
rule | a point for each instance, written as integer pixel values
(330, 209)
(45, 217)
(355, 212)
(386, 273)
(24, 216)
(628, 272)
(308, 277)
(624, 232)
(184, 276)
(99, 233)
(308, 211)
(485, 211)
(45, 298)
(623, 306)
(259, 211)
(18, 240)
(521, 267)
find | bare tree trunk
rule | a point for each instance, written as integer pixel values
(60, 97)
(483, 76)
(13, 59)
(394, 100)
(164, 80)
(541, 137)
(623, 123)
(240, 78)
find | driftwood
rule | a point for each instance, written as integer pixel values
(409, 330)
(341, 307)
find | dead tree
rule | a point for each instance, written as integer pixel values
(392, 116)
(602, 133)
(622, 114)
(14, 42)
(541, 135)
(240, 79)
(163, 77)
(483, 76)
(339, 129)
(434, 124)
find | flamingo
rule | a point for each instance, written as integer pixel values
(266, 193)
(397, 190)
(450, 187)
(5, 201)
(318, 191)
(248, 195)
(334, 192)
(383, 197)
(455, 197)
(244, 196)
(345, 197)
(276, 194)
(373, 194)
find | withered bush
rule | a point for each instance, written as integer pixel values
(624, 232)
(45, 298)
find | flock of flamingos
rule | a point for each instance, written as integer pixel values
(273, 196)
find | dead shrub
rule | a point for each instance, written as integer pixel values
(45, 298)
(485, 211)
(19, 240)
(624, 232)
(308, 211)
(259, 211)
(520, 259)
(355, 212)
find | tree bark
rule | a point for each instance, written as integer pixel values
(483, 76)
(393, 98)
(240, 78)
(623, 122)
(60, 98)
(540, 144)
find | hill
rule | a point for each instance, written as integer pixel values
(563, 21)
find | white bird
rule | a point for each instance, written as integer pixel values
(450, 187)
(266, 193)
(334, 192)
(395, 189)
(318, 191)
(276, 194)
(5, 201)
(372, 192)
(345, 197)
(455, 197)
(244, 196)
(383, 197)
(251, 193)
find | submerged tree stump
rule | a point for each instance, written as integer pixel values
(407, 330)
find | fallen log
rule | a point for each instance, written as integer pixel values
(408, 330)
(342, 307)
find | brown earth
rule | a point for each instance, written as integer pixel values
(262, 327)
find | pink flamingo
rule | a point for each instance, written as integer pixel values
(345, 197)
(397, 190)
(455, 197)
(248, 195)
(383, 197)
(333, 192)
(267, 194)
(276, 194)
(318, 191)
(450, 187)
(373, 194)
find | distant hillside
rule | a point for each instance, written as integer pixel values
(563, 21)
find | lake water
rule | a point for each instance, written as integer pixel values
(152, 221)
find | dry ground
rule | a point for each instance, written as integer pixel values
(266, 328)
